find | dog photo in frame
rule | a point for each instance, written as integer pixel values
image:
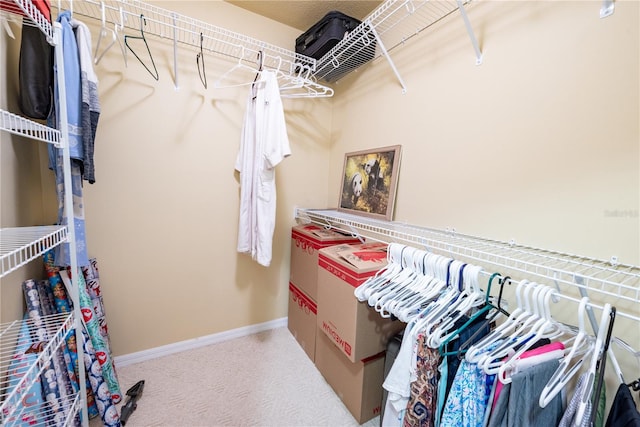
(369, 180)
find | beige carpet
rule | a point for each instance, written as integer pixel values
(264, 379)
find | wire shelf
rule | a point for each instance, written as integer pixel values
(20, 245)
(22, 374)
(28, 9)
(18, 125)
(186, 30)
(387, 27)
(582, 274)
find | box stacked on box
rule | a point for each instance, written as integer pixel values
(306, 242)
(352, 337)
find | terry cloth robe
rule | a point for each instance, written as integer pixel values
(74, 110)
(264, 144)
(90, 102)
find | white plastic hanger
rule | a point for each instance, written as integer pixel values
(399, 283)
(523, 337)
(565, 370)
(477, 350)
(412, 289)
(104, 32)
(441, 306)
(395, 282)
(470, 297)
(547, 328)
(593, 365)
(219, 83)
(429, 290)
(382, 276)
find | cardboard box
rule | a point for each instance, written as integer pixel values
(357, 329)
(358, 384)
(306, 241)
(302, 320)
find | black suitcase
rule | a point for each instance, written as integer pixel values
(393, 347)
(325, 34)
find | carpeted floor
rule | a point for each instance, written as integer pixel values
(264, 379)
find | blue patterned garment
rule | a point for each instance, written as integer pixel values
(74, 108)
(467, 401)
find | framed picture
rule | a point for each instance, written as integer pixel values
(369, 180)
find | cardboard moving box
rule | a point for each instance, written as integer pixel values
(306, 241)
(358, 384)
(357, 329)
(302, 320)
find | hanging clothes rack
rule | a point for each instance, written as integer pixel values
(194, 33)
(571, 274)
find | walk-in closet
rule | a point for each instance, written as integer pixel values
(512, 188)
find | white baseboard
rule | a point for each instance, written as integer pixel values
(152, 353)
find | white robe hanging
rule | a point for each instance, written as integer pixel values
(264, 144)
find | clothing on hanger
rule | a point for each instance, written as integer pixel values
(264, 144)
(623, 412)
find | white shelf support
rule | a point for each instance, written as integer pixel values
(384, 51)
(472, 36)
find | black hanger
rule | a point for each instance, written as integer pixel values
(600, 367)
(463, 347)
(255, 79)
(142, 37)
(203, 73)
(634, 385)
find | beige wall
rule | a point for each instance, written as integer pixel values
(162, 215)
(538, 144)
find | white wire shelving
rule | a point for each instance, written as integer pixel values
(570, 273)
(21, 245)
(18, 125)
(28, 9)
(21, 374)
(133, 15)
(390, 25)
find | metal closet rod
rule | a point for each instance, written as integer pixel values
(583, 275)
(186, 30)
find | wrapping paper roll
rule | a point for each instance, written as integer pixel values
(92, 278)
(39, 334)
(103, 399)
(93, 329)
(63, 305)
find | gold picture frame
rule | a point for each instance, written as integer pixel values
(369, 181)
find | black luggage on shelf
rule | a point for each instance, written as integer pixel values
(325, 34)
(393, 347)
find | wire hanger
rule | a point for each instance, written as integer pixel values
(103, 34)
(254, 86)
(143, 22)
(203, 73)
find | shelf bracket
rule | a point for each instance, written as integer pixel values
(472, 36)
(607, 8)
(386, 55)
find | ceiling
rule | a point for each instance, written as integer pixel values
(302, 14)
